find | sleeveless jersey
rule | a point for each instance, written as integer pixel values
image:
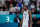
(25, 17)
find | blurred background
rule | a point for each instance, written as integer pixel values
(11, 12)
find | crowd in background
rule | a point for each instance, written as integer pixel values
(16, 6)
(35, 21)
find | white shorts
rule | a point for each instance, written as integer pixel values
(25, 24)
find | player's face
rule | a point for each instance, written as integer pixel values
(24, 7)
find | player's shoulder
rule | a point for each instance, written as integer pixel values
(29, 11)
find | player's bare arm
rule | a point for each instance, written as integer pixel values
(30, 17)
(21, 21)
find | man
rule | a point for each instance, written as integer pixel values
(20, 3)
(7, 2)
(38, 23)
(25, 18)
(17, 19)
(38, 7)
(26, 2)
(17, 7)
(34, 20)
(32, 6)
(14, 2)
(11, 9)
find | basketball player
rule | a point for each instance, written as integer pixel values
(25, 18)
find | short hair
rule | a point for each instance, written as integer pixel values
(26, 6)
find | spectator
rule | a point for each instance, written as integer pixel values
(11, 9)
(38, 24)
(26, 2)
(17, 11)
(28, 6)
(35, 11)
(32, 6)
(1, 9)
(10, 1)
(17, 7)
(35, 2)
(38, 7)
(20, 3)
(7, 2)
(23, 4)
(6, 8)
(34, 19)
(32, 11)
(22, 11)
(17, 19)
(38, 0)
(14, 2)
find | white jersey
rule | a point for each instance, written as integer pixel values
(25, 17)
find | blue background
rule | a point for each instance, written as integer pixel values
(11, 17)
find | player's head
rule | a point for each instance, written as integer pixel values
(25, 7)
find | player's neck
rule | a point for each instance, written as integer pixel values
(25, 10)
